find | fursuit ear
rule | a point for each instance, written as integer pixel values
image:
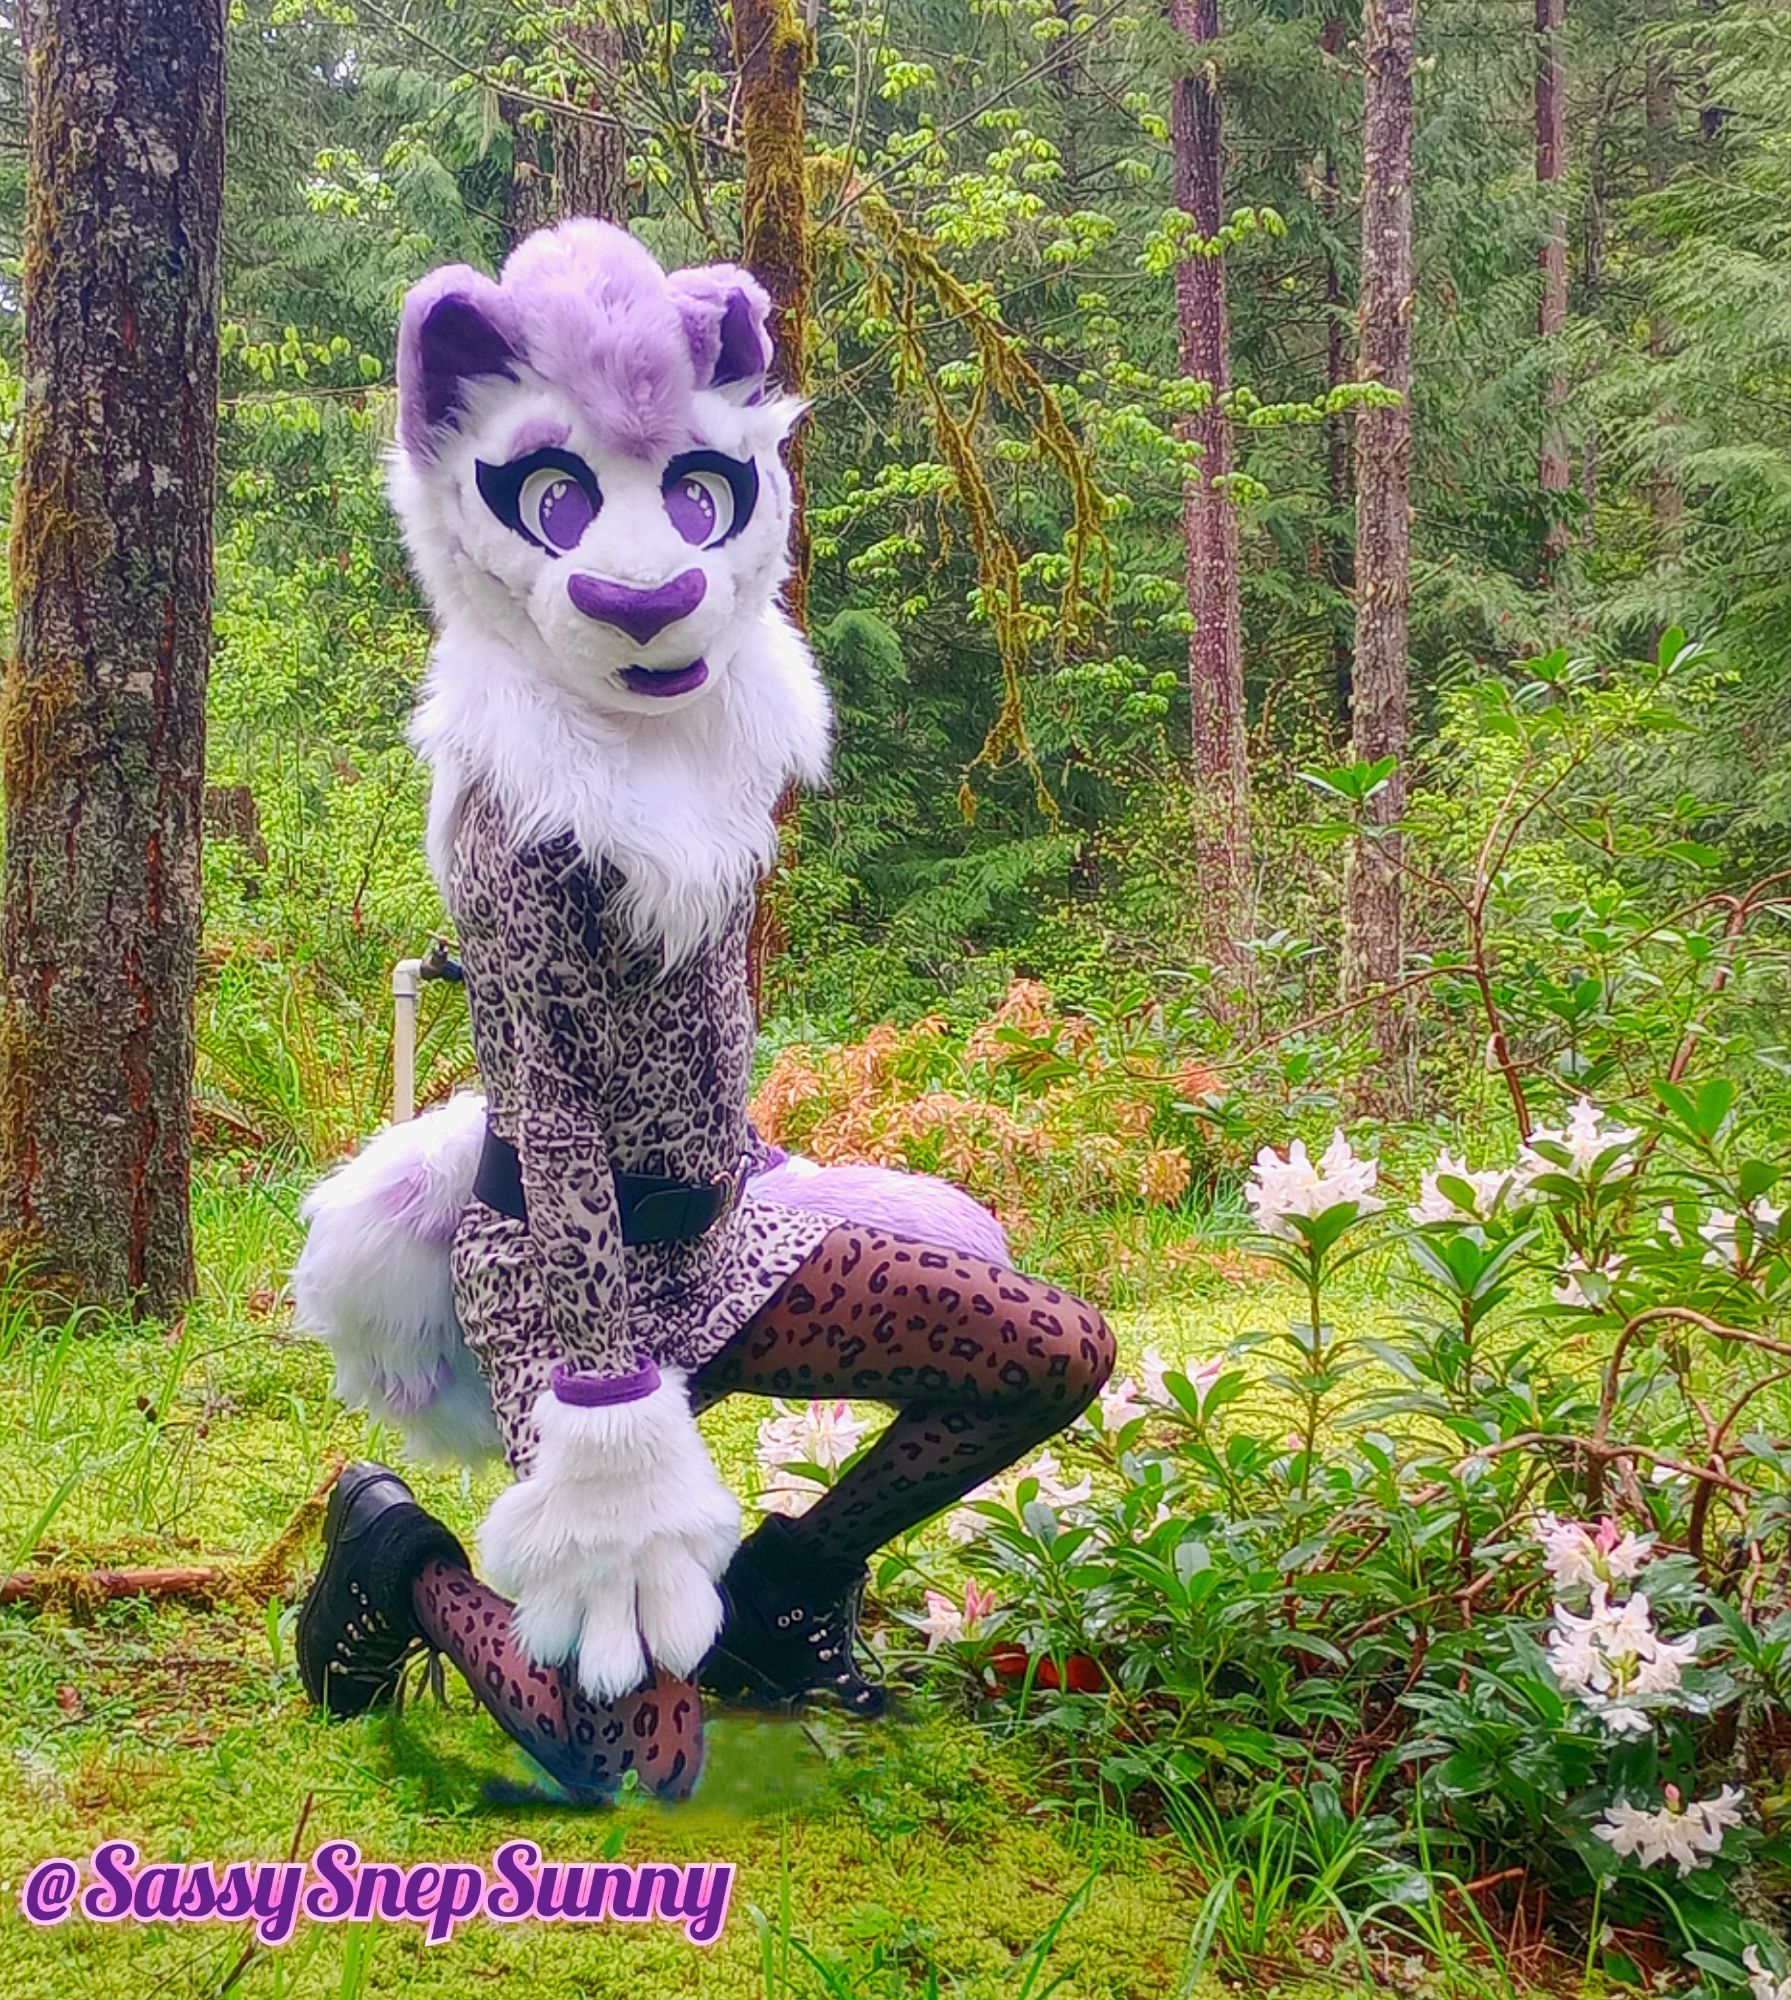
(726, 316)
(456, 326)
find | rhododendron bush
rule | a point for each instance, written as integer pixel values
(1055, 1120)
(1509, 1571)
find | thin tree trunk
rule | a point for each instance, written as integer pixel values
(1592, 254)
(1374, 917)
(102, 742)
(772, 52)
(1554, 471)
(1338, 436)
(1661, 116)
(1209, 516)
(528, 194)
(1067, 86)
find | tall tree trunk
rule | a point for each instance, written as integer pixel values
(1592, 255)
(574, 162)
(1209, 516)
(591, 153)
(1554, 471)
(1374, 917)
(528, 194)
(1339, 436)
(772, 52)
(102, 742)
(1660, 112)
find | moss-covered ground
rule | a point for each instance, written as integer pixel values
(870, 1861)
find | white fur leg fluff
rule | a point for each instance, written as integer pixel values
(613, 1544)
(374, 1282)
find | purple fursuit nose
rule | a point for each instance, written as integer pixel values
(641, 614)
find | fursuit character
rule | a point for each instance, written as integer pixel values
(572, 1266)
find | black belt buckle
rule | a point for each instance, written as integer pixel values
(652, 1207)
(657, 1210)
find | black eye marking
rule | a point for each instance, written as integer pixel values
(742, 477)
(501, 487)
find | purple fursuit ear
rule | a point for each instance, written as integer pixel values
(456, 326)
(726, 316)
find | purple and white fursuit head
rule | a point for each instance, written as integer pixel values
(586, 370)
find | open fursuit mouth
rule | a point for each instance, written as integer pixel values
(665, 680)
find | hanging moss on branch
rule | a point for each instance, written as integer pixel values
(907, 270)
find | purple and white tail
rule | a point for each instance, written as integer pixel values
(374, 1280)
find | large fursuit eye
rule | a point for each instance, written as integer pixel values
(554, 508)
(709, 497)
(548, 497)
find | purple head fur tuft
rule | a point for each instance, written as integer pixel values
(587, 308)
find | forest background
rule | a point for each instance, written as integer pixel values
(1309, 636)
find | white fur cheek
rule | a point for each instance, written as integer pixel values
(612, 1546)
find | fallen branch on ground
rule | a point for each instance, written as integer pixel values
(72, 1591)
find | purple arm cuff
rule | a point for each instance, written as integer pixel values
(597, 1392)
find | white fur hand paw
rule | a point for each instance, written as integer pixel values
(614, 1543)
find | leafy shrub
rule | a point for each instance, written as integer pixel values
(1516, 1572)
(1048, 1116)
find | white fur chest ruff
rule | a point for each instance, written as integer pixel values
(682, 805)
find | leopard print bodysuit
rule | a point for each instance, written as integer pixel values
(597, 1058)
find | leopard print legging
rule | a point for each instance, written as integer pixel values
(982, 1365)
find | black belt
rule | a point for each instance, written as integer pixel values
(654, 1208)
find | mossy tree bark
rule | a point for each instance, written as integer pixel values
(102, 740)
(772, 53)
(1209, 515)
(1374, 912)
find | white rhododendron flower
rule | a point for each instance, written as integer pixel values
(1582, 1557)
(1686, 1834)
(964, 1524)
(1153, 1368)
(821, 1433)
(1054, 1489)
(1119, 1404)
(1763, 1983)
(1585, 1136)
(1433, 1205)
(1719, 1231)
(946, 1622)
(1614, 1654)
(788, 1494)
(1279, 1189)
(1568, 1290)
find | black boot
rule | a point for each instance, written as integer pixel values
(357, 1628)
(792, 1627)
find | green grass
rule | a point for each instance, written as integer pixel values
(880, 1860)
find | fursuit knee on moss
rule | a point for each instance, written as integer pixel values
(589, 482)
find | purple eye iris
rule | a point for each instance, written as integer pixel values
(701, 507)
(554, 508)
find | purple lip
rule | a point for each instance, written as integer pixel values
(674, 680)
